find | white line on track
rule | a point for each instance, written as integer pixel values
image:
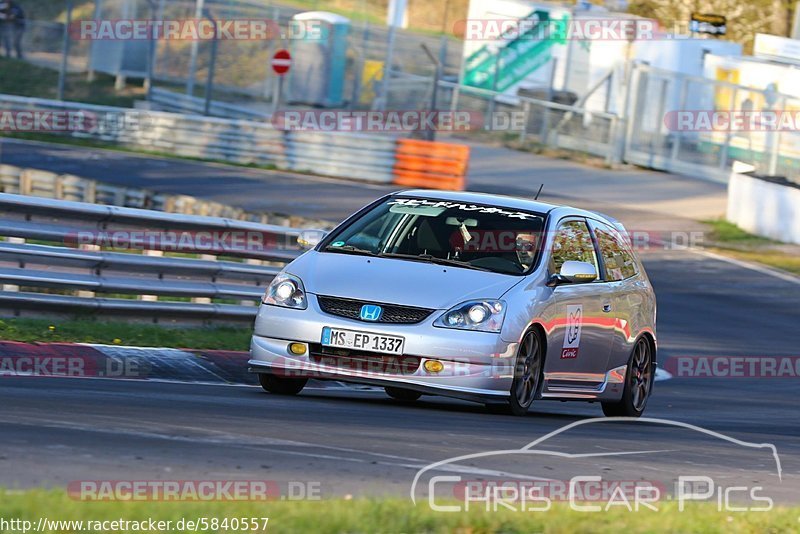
(787, 277)
(286, 447)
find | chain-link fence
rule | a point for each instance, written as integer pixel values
(43, 44)
(242, 70)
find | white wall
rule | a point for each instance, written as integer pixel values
(764, 208)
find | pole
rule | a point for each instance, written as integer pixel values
(430, 135)
(62, 72)
(276, 102)
(90, 72)
(387, 69)
(495, 83)
(211, 66)
(151, 53)
(775, 148)
(198, 14)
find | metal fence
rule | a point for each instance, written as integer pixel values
(62, 256)
(530, 120)
(653, 140)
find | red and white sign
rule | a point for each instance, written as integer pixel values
(281, 62)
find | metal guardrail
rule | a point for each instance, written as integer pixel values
(40, 183)
(183, 103)
(175, 265)
(340, 154)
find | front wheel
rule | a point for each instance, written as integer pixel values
(638, 383)
(280, 385)
(527, 377)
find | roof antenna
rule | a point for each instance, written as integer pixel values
(539, 192)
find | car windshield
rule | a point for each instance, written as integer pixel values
(461, 234)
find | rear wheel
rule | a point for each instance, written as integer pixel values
(527, 377)
(638, 383)
(280, 385)
(402, 395)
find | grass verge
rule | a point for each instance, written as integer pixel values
(728, 239)
(120, 333)
(388, 515)
(24, 79)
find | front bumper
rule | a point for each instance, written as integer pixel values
(477, 365)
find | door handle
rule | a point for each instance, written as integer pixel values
(606, 308)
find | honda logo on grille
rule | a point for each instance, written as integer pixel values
(370, 312)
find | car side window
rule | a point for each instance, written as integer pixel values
(618, 261)
(367, 232)
(572, 242)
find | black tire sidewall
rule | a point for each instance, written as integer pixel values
(281, 386)
(624, 407)
(513, 403)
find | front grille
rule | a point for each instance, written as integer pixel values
(392, 314)
(364, 362)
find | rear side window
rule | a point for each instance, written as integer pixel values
(618, 260)
(572, 242)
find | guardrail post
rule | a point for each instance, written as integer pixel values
(526, 110)
(251, 261)
(58, 187)
(25, 182)
(9, 179)
(17, 241)
(82, 292)
(204, 300)
(544, 131)
(611, 155)
(157, 253)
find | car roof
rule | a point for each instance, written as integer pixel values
(503, 201)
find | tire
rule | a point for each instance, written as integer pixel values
(528, 373)
(402, 395)
(638, 383)
(281, 386)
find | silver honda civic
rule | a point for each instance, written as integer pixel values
(486, 298)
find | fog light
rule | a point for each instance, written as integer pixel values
(297, 349)
(433, 366)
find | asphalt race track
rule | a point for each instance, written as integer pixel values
(363, 443)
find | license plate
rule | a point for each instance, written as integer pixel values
(363, 341)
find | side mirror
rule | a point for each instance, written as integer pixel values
(574, 272)
(309, 239)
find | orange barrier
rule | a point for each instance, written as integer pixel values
(431, 164)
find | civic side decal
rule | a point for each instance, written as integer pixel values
(572, 334)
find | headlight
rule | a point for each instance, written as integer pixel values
(286, 290)
(482, 315)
